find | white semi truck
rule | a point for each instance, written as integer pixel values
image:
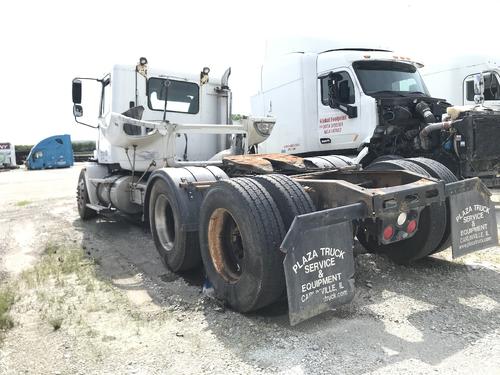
(7, 155)
(373, 103)
(260, 224)
(454, 80)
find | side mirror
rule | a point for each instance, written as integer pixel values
(344, 91)
(77, 91)
(340, 95)
(479, 89)
(77, 110)
(479, 84)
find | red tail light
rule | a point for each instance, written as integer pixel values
(412, 225)
(388, 232)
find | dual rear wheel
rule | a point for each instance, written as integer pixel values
(433, 234)
(242, 224)
(239, 226)
(235, 228)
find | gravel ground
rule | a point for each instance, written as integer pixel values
(122, 312)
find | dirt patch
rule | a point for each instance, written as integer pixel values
(94, 298)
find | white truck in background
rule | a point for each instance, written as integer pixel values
(372, 103)
(7, 155)
(454, 80)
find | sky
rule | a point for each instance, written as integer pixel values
(44, 44)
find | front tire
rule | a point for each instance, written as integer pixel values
(82, 199)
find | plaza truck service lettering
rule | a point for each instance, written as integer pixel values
(321, 261)
(475, 229)
(319, 267)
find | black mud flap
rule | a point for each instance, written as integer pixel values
(473, 217)
(319, 261)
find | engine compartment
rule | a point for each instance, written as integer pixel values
(412, 126)
(401, 120)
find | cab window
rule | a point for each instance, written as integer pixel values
(181, 96)
(327, 82)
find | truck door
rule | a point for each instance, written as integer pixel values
(338, 130)
(491, 89)
(38, 159)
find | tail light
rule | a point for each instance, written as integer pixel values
(411, 227)
(388, 232)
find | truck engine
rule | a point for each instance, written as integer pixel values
(463, 139)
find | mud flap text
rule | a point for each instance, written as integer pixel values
(473, 220)
(319, 266)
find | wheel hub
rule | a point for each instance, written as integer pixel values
(225, 245)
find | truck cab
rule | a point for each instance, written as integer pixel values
(372, 103)
(7, 155)
(455, 80)
(52, 152)
(491, 88)
(327, 101)
(156, 96)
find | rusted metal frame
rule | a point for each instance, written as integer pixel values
(336, 193)
(378, 178)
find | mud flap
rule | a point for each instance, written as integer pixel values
(473, 217)
(319, 261)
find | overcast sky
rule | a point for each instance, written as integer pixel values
(45, 44)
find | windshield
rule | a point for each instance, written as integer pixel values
(378, 77)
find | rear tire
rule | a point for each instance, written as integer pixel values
(82, 199)
(289, 196)
(178, 249)
(386, 158)
(328, 161)
(438, 170)
(241, 231)
(431, 227)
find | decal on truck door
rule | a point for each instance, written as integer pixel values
(332, 124)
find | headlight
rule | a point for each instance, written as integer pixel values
(264, 128)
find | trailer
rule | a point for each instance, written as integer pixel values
(262, 225)
(52, 152)
(7, 156)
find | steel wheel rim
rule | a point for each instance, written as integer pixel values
(164, 222)
(81, 195)
(225, 245)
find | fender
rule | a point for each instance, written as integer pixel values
(189, 198)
